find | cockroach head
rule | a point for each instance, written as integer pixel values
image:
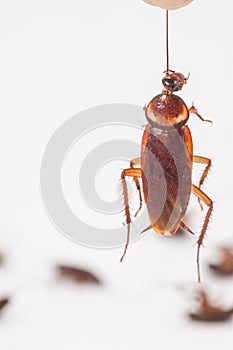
(174, 81)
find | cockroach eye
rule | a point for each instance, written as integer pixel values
(169, 84)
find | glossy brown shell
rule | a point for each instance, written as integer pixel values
(167, 111)
(166, 163)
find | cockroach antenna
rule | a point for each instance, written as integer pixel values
(167, 41)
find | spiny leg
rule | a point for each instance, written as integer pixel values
(135, 173)
(202, 196)
(207, 161)
(194, 110)
(134, 162)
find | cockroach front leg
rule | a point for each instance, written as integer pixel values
(135, 173)
(207, 162)
(194, 110)
(134, 162)
(202, 196)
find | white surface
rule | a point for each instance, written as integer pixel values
(58, 58)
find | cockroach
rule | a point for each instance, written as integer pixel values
(166, 163)
(209, 312)
(225, 265)
(77, 275)
(3, 303)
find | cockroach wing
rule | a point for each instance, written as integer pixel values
(166, 163)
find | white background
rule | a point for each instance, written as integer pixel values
(58, 58)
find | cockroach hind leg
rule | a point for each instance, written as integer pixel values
(200, 194)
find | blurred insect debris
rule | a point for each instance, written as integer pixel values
(77, 275)
(209, 312)
(3, 303)
(225, 265)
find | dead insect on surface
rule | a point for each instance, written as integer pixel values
(209, 312)
(77, 275)
(166, 163)
(225, 265)
(3, 303)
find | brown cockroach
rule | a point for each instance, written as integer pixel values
(166, 163)
(3, 303)
(209, 312)
(77, 274)
(225, 265)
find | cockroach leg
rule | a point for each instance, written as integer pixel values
(202, 160)
(194, 111)
(135, 173)
(186, 228)
(202, 196)
(134, 162)
(140, 195)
